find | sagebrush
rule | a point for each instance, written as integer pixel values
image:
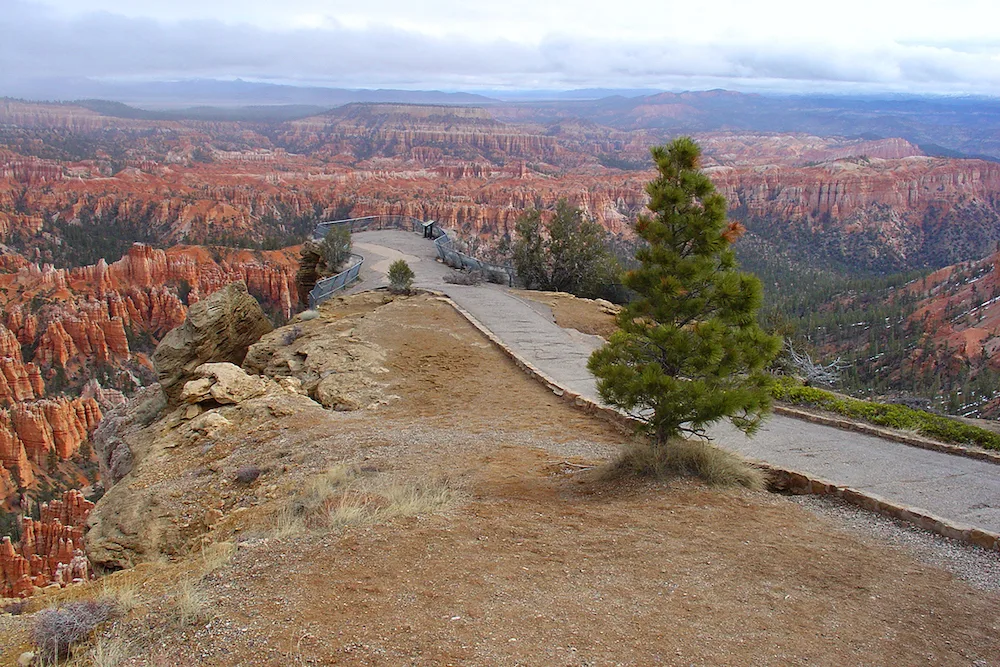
(55, 631)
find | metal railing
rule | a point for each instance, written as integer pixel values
(459, 260)
(370, 223)
(443, 243)
(325, 288)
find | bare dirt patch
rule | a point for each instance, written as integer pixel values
(536, 562)
(585, 315)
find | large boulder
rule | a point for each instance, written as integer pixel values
(223, 384)
(219, 328)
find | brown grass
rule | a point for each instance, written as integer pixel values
(105, 652)
(685, 458)
(345, 495)
(190, 604)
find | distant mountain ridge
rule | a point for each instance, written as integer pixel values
(208, 92)
(964, 127)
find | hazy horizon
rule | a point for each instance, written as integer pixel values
(773, 46)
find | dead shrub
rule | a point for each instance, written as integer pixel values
(464, 278)
(17, 607)
(681, 457)
(56, 630)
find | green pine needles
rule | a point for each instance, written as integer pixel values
(400, 277)
(689, 351)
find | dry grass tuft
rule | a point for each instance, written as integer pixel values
(345, 495)
(123, 591)
(190, 604)
(287, 523)
(407, 499)
(216, 555)
(680, 457)
(352, 508)
(333, 481)
(107, 653)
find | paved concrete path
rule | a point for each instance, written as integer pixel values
(953, 487)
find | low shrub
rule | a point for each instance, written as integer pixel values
(400, 277)
(247, 474)
(17, 607)
(151, 408)
(498, 277)
(291, 335)
(464, 278)
(889, 415)
(56, 630)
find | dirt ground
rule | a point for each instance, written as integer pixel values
(570, 312)
(535, 562)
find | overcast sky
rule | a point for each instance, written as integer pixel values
(867, 45)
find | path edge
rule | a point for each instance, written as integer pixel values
(887, 434)
(782, 479)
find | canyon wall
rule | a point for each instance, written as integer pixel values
(877, 202)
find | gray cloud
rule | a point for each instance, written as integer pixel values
(36, 43)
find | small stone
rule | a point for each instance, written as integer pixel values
(212, 517)
(25, 659)
(192, 411)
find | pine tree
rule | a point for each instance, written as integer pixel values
(689, 351)
(336, 247)
(567, 254)
(529, 250)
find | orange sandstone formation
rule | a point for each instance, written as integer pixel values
(50, 551)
